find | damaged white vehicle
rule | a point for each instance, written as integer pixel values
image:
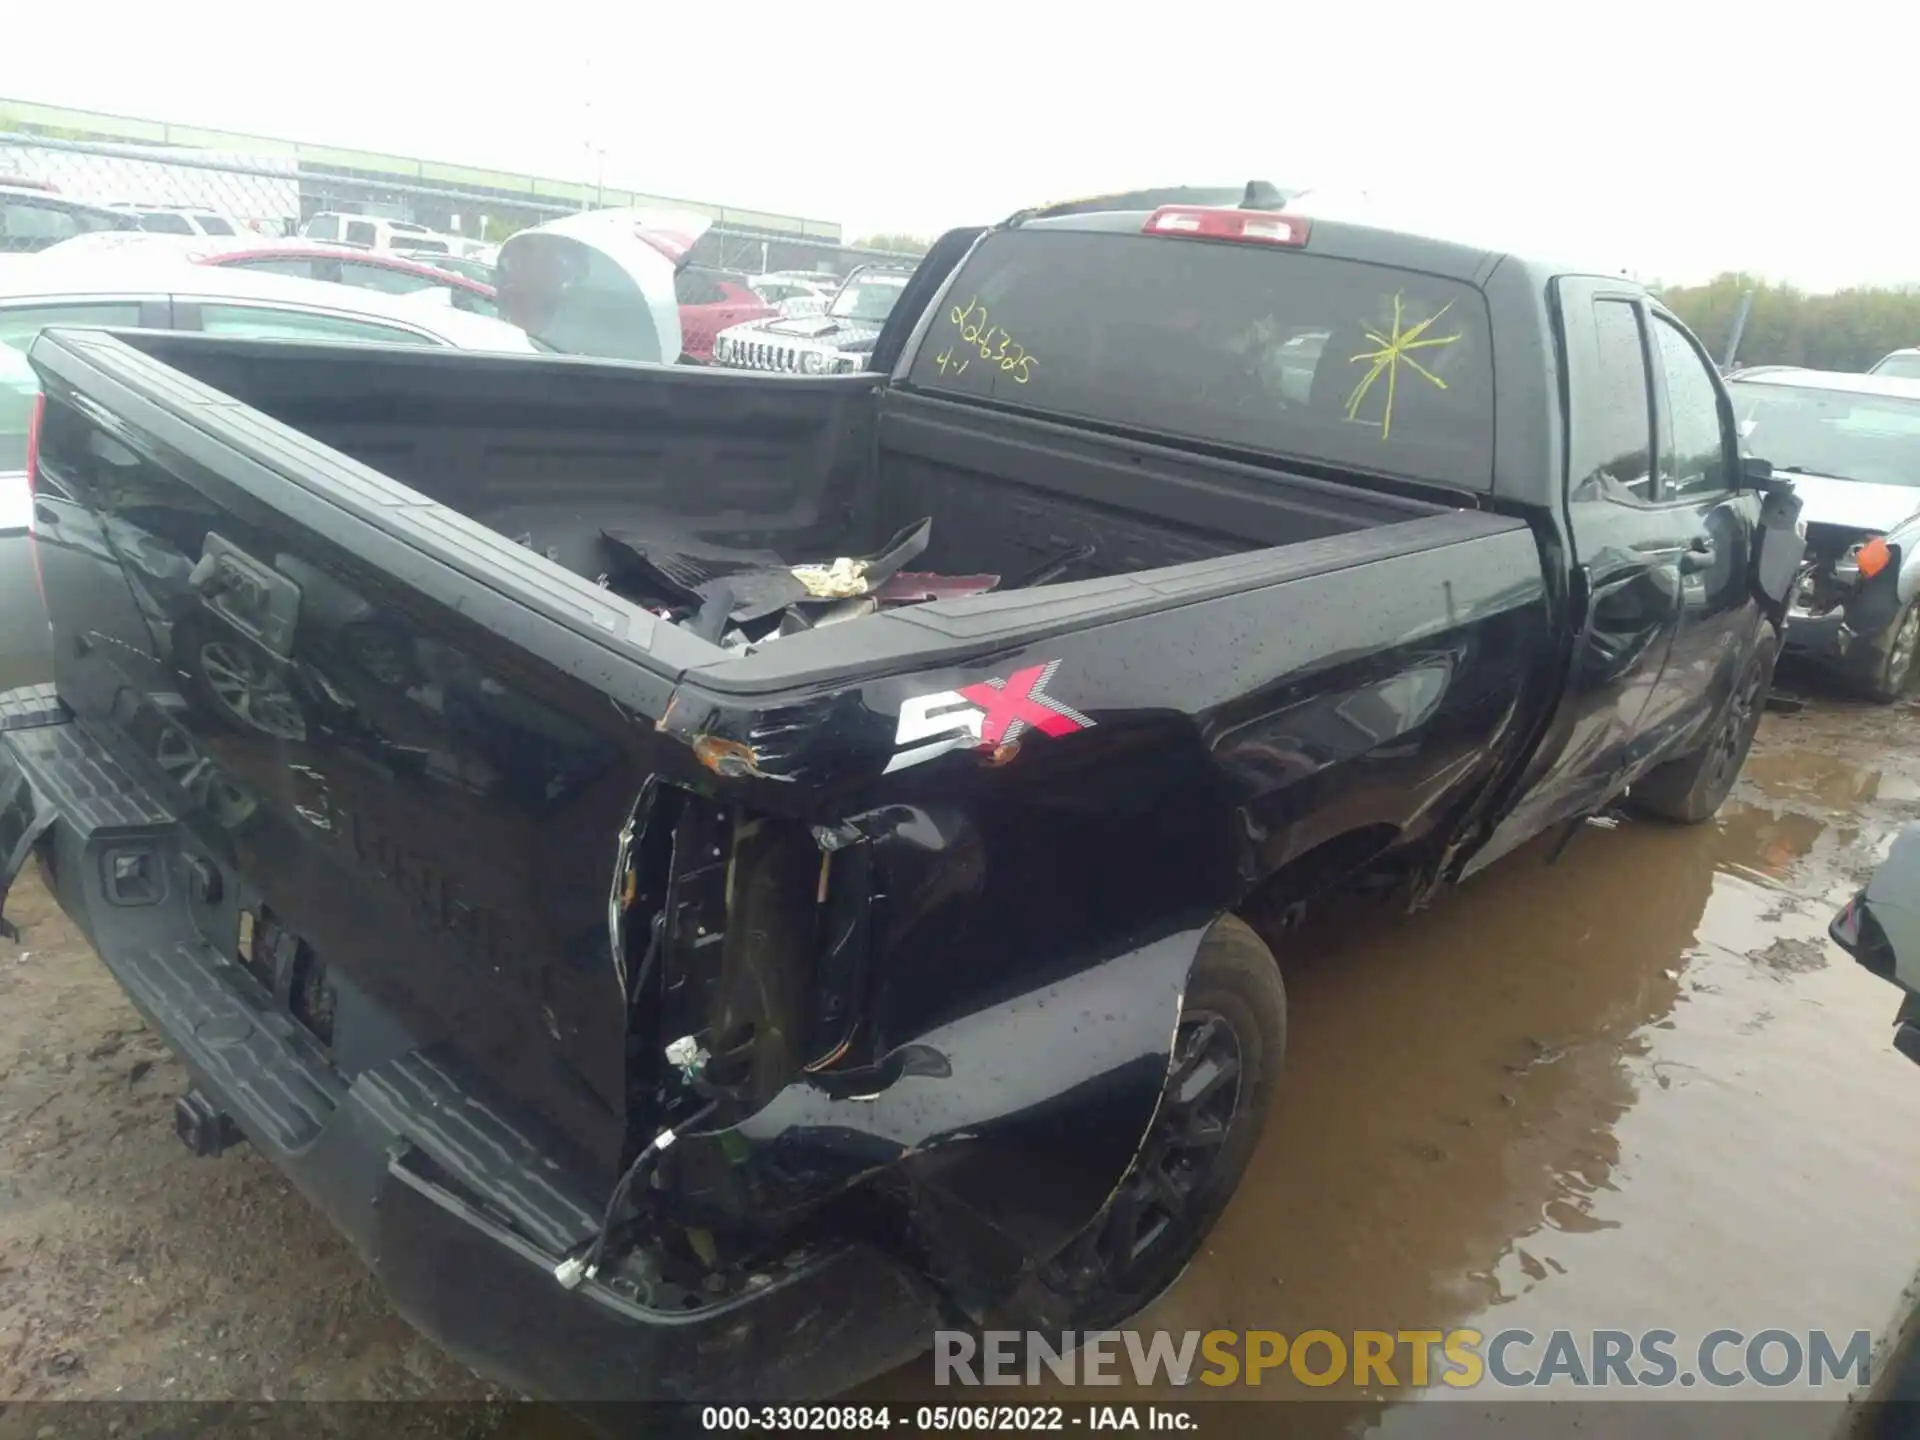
(1852, 445)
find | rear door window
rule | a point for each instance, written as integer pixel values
(1613, 429)
(27, 225)
(165, 222)
(1257, 347)
(361, 232)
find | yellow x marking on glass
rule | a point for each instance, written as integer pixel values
(1394, 352)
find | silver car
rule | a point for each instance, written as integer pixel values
(132, 288)
(138, 288)
(1852, 446)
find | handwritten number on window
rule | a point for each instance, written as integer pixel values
(977, 331)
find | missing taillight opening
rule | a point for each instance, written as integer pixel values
(1205, 222)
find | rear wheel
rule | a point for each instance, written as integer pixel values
(1691, 789)
(1226, 1062)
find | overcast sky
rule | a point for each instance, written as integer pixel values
(1671, 139)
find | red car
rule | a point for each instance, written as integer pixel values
(710, 301)
(367, 269)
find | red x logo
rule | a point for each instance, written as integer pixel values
(1019, 701)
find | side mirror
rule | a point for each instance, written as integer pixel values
(1755, 473)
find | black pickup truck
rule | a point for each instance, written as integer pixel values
(706, 877)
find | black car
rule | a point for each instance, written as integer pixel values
(32, 219)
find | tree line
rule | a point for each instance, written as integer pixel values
(1841, 330)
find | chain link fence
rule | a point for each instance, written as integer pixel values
(275, 195)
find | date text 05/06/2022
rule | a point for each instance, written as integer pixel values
(945, 1419)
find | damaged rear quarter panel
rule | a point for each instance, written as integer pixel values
(1036, 908)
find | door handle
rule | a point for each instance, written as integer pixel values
(1698, 556)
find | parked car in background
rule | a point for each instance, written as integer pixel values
(837, 341)
(386, 271)
(796, 292)
(1900, 365)
(181, 220)
(17, 390)
(26, 653)
(33, 219)
(601, 282)
(184, 247)
(164, 292)
(1852, 445)
(376, 232)
(712, 301)
(468, 267)
(1880, 927)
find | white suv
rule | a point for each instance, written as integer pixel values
(376, 232)
(180, 220)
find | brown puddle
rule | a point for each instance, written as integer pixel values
(1636, 1089)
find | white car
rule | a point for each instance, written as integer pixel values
(1900, 365)
(376, 232)
(17, 389)
(602, 282)
(1851, 446)
(133, 288)
(185, 247)
(795, 292)
(180, 219)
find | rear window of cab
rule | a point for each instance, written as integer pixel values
(1257, 347)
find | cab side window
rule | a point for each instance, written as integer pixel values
(1615, 434)
(1693, 452)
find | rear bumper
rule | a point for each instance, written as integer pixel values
(450, 1198)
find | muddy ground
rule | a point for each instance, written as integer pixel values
(1636, 1088)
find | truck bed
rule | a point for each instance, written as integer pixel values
(478, 462)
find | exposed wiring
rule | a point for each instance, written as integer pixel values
(576, 1268)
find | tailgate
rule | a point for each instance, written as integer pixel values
(403, 747)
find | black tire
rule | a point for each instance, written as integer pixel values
(1692, 789)
(1235, 1003)
(1886, 666)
